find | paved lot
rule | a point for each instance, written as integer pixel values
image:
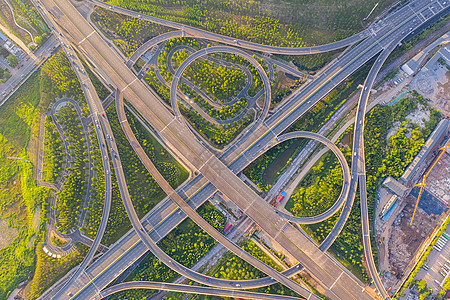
(435, 262)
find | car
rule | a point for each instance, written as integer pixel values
(106, 157)
(206, 278)
(238, 285)
(107, 172)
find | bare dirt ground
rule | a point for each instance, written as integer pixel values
(7, 235)
(400, 240)
(434, 84)
(438, 181)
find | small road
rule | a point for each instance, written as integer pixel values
(191, 289)
(125, 83)
(96, 108)
(199, 33)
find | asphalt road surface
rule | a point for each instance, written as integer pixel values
(331, 74)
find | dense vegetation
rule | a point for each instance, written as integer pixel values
(53, 152)
(187, 243)
(232, 267)
(4, 75)
(71, 196)
(225, 112)
(217, 135)
(310, 121)
(126, 32)
(319, 189)
(221, 82)
(144, 191)
(264, 21)
(23, 204)
(27, 16)
(379, 164)
(58, 80)
(49, 269)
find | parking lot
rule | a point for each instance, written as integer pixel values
(438, 267)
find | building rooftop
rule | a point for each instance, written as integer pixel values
(413, 167)
(413, 64)
(395, 186)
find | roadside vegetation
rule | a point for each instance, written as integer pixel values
(59, 80)
(73, 192)
(265, 22)
(144, 191)
(101, 90)
(232, 267)
(53, 152)
(265, 170)
(319, 189)
(186, 244)
(27, 16)
(49, 269)
(383, 158)
(127, 33)
(24, 205)
(217, 135)
(225, 112)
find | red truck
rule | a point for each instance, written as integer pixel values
(281, 196)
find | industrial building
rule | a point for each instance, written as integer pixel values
(413, 65)
(417, 166)
(388, 207)
(395, 187)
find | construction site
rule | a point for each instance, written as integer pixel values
(411, 209)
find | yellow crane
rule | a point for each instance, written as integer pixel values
(423, 183)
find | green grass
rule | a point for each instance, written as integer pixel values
(144, 191)
(319, 189)
(288, 23)
(187, 244)
(21, 200)
(49, 269)
(232, 267)
(28, 17)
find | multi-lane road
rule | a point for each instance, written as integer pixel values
(337, 279)
(96, 108)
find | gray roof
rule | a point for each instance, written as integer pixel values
(426, 149)
(395, 186)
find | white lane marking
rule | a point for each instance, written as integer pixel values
(129, 84)
(168, 124)
(206, 162)
(336, 280)
(86, 37)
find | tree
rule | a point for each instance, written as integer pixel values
(13, 60)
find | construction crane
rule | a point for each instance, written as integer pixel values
(424, 180)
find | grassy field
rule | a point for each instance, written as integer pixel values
(24, 205)
(319, 188)
(127, 33)
(283, 23)
(186, 244)
(21, 201)
(27, 16)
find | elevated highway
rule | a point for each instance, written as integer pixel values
(335, 278)
(332, 76)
